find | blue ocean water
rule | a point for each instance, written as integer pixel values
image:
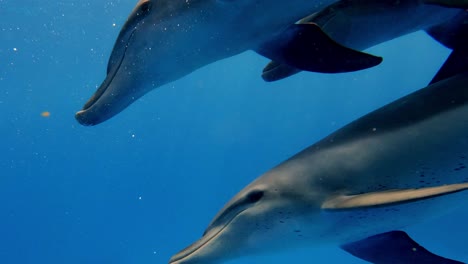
(143, 185)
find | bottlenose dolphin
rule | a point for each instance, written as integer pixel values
(396, 166)
(361, 24)
(164, 40)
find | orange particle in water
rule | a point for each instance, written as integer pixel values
(45, 114)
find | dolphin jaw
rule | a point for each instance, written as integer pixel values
(85, 115)
(80, 116)
(88, 115)
(108, 101)
(209, 235)
(189, 251)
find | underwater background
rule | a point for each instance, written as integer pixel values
(145, 184)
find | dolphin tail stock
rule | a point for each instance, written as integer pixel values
(307, 47)
(453, 35)
(393, 247)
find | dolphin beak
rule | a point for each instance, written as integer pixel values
(189, 254)
(204, 250)
(185, 254)
(113, 96)
(117, 91)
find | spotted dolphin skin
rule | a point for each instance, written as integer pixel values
(394, 167)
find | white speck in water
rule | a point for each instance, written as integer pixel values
(139, 197)
(15, 49)
(133, 135)
(113, 24)
(154, 252)
(374, 129)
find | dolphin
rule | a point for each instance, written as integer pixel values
(396, 166)
(164, 40)
(361, 24)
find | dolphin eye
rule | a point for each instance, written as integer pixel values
(254, 196)
(236, 208)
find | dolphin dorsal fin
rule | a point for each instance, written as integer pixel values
(390, 197)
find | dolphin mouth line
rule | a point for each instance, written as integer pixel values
(102, 90)
(206, 241)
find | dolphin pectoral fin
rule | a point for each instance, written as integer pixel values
(275, 71)
(385, 198)
(448, 3)
(329, 20)
(393, 247)
(307, 47)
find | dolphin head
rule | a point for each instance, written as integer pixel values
(160, 42)
(123, 83)
(259, 219)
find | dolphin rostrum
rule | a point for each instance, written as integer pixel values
(164, 40)
(396, 166)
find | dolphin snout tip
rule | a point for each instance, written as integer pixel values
(82, 118)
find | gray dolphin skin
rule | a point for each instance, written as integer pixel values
(361, 24)
(394, 167)
(164, 40)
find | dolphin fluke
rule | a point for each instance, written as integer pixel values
(307, 47)
(393, 247)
